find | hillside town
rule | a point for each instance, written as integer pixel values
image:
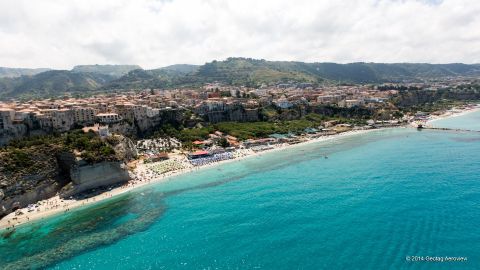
(213, 103)
(128, 139)
(239, 134)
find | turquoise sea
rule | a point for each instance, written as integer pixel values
(376, 199)
(471, 121)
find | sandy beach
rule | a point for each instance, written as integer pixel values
(453, 113)
(144, 175)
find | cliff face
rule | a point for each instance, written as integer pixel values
(94, 176)
(67, 178)
(41, 192)
(174, 117)
(17, 131)
(419, 97)
(89, 176)
(125, 149)
(30, 176)
(38, 171)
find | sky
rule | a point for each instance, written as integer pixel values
(155, 33)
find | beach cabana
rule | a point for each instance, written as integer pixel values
(198, 154)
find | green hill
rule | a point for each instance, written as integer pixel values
(111, 70)
(51, 83)
(245, 71)
(181, 68)
(17, 72)
(232, 71)
(155, 78)
(251, 72)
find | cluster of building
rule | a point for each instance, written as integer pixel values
(212, 103)
(45, 116)
(226, 103)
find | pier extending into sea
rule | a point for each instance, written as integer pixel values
(449, 129)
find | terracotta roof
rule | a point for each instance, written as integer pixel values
(198, 153)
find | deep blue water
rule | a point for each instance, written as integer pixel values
(378, 198)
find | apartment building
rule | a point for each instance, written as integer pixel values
(84, 115)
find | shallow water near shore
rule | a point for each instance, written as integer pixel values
(470, 121)
(376, 199)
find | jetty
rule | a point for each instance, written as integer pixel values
(424, 125)
(450, 129)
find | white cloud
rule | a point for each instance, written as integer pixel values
(155, 33)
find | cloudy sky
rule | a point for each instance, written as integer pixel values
(156, 33)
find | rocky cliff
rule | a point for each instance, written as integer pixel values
(88, 177)
(43, 191)
(125, 149)
(38, 169)
(30, 175)
(85, 177)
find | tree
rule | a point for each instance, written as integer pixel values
(223, 142)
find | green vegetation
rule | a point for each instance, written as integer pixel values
(91, 148)
(233, 71)
(22, 170)
(28, 163)
(250, 130)
(182, 68)
(251, 72)
(111, 70)
(429, 101)
(190, 135)
(156, 78)
(51, 83)
(223, 142)
(15, 159)
(26, 160)
(17, 72)
(269, 113)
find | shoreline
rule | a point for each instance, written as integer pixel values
(144, 174)
(56, 206)
(451, 114)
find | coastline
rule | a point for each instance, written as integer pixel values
(56, 206)
(144, 176)
(452, 113)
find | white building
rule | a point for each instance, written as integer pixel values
(283, 103)
(61, 120)
(140, 112)
(108, 117)
(84, 115)
(329, 99)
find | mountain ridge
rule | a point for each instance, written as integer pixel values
(232, 71)
(6, 72)
(111, 70)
